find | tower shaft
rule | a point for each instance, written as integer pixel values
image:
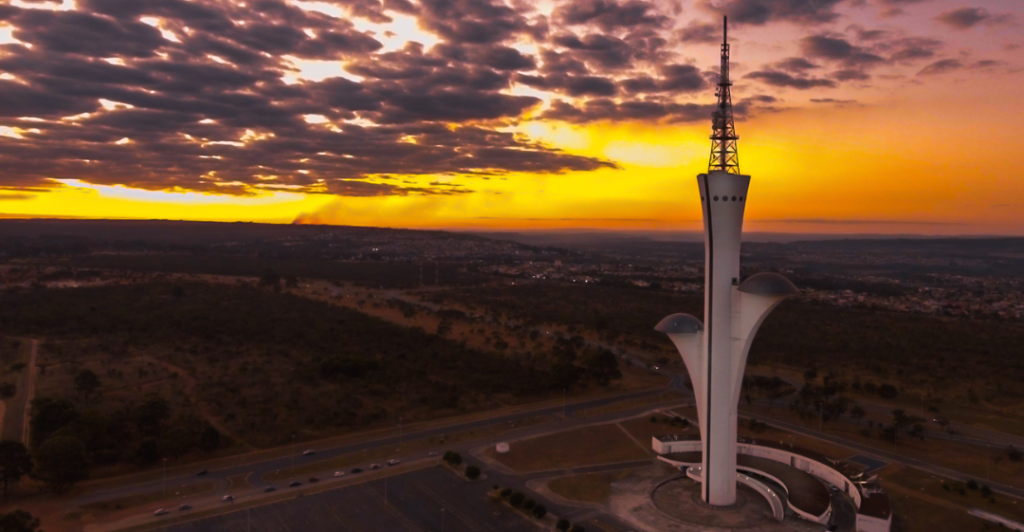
(724, 153)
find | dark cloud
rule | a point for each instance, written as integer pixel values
(838, 49)
(850, 74)
(968, 17)
(103, 98)
(778, 78)
(605, 52)
(477, 21)
(941, 67)
(610, 15)
(833, 101)
(759, 12)
(652, 110)
(571, 85)
(795, 64)
(698, 32)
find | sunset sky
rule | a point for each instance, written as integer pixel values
(854, 116)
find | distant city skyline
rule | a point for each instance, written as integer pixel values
(858, 116)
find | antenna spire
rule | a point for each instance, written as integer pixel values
(724, 153)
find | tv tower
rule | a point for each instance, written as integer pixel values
(724, 155)
(715, 352)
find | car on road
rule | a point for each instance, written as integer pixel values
(374, 466)
(295, 484)
(202, 473)
(227, 498)
(394, 462)
(308, 452)
(161, 511)
(269, 489)
(432, 453)
(314, 479)
(184, 507)
(339, 473)
(356, 470)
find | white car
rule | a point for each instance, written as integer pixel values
(308, 452)
(339, 473)
(161, 511)
(374, 466)
(432, 453)
(394, 462)
(227, 498)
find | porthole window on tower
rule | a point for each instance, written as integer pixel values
(716, 198)
(734, 198)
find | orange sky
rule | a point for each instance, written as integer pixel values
(909, 153)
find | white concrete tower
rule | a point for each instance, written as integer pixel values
(715, 353)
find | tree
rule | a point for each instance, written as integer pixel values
(577, 528)
(444, 327)
(62, 462)
(516, 499)
(972, 484)
(562, 524)
(472, 472)
(810, 375)
(506, 493)
(153, 411)
(8, 390)
(148, 451)
(540, 511)
(210, 439)
(178, 291)
(14, 461)
(528, 504)
(48, 416)
(19, 521)
(271, 278)
(858, 413)
(86, 382)
(603, 366)
(888, 391)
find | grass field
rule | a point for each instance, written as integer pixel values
(936, 449)
(929, 488)
(632, 403)
(601, 444)
(643, 429)
(591, 487)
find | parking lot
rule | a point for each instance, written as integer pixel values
(414, 503)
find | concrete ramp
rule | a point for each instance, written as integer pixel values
(778, 508)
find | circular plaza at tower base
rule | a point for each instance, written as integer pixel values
(803, 474)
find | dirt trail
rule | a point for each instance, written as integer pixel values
(190, 388)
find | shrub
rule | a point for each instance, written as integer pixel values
(972, 484)
(529, 503)
(562, 524)
(506, 493)
(1014, 455)
(888, 391)
(539, 511)
(516, 499)
(472, 472)
(986, 491)
(456, 459)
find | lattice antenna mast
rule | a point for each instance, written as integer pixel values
(724, 153)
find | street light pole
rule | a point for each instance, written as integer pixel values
(442, 519)
(165, 478)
